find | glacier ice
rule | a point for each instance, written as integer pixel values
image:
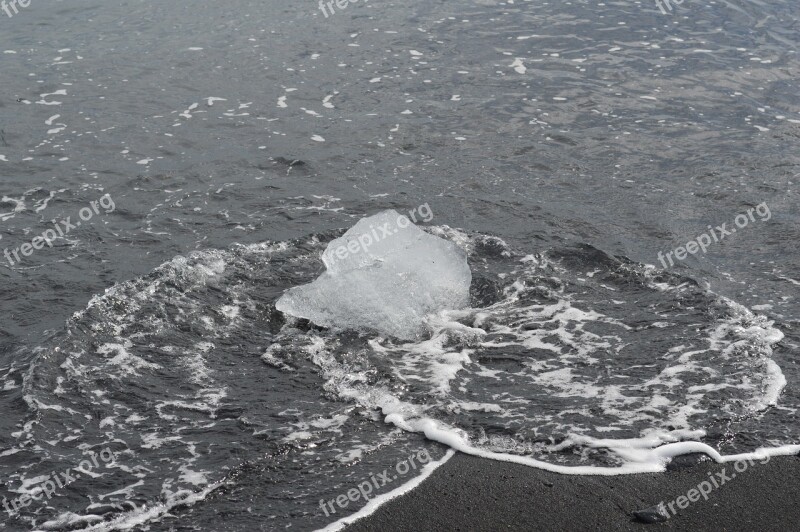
(384, 274)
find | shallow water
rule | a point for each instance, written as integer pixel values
(569, 144)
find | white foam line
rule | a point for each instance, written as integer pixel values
(382, 499)
(643, 461)
(760, 454)
(454, 441)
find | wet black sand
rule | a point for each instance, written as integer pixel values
(470, 493)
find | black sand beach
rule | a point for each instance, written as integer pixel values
(572, 234)
(471, 493)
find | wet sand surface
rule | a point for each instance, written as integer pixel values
(471, 493)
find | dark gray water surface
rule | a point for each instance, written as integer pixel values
(569, 143)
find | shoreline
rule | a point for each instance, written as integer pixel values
(470, 493)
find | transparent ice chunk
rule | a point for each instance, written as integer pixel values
(384, 274)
